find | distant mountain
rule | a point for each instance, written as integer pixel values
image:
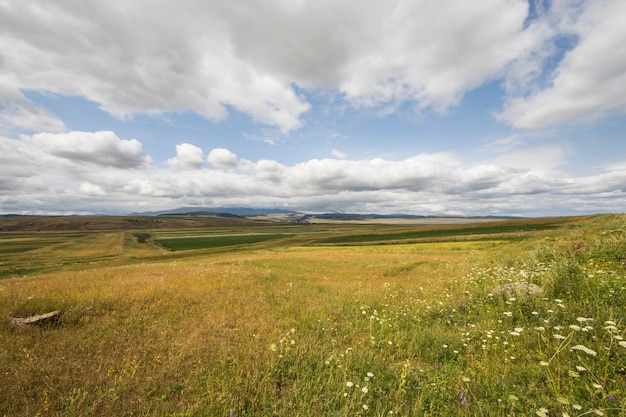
(235, 211)
(353, 216)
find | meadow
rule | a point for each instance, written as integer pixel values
(316, 320)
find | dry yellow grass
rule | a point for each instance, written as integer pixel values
(150, 332)
(173, 330)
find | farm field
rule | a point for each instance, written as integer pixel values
(232, 317)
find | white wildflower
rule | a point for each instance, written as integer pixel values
(584, 349)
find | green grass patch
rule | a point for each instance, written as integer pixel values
(142, 237)
(18, 249)
(208, 242)
(430, 233)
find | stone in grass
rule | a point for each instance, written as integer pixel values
(46, 318)
(517, 289)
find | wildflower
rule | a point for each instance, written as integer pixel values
(544, 363)
(584, 349)
(364, 390)
(508, 313)
(609, 323)
(514, 334)
(574, 327)
(513, 398)
(371, 375)
(463, 398)
(581, 319)
(519, 329)
(573, 374)
(273, 347)
(349, 384)
(580, 368)
(465, 379)
(597, 386)
(611, 328)
(540, 329)
(622, 343)
(542, 412)
(577, 407)
(598, 412)
(365, 407)
(558, 336)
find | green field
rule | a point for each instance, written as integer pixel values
(223, 317)
(206, 242)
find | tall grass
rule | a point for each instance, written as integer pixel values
(406, 330)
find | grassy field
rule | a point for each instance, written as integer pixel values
(315, 320)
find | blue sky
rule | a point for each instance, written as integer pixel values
(492, 107)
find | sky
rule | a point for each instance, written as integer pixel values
(427, 107)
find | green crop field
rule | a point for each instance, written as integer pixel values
(232, 317)
(204, 242)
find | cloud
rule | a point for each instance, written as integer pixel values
(99, 148)
(83, 172)
(188, 156)
(221, 158)
(590, 81)
(260, 58)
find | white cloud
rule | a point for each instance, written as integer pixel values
(188, 156)
(590, 81)
(222, 158)
(96, 172)
(209, 56)
(99, 148)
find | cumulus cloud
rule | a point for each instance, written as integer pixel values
(45, 175)
(100, 148)
(589, 82)
(209, 56)
(188, 156)
(222, 158)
